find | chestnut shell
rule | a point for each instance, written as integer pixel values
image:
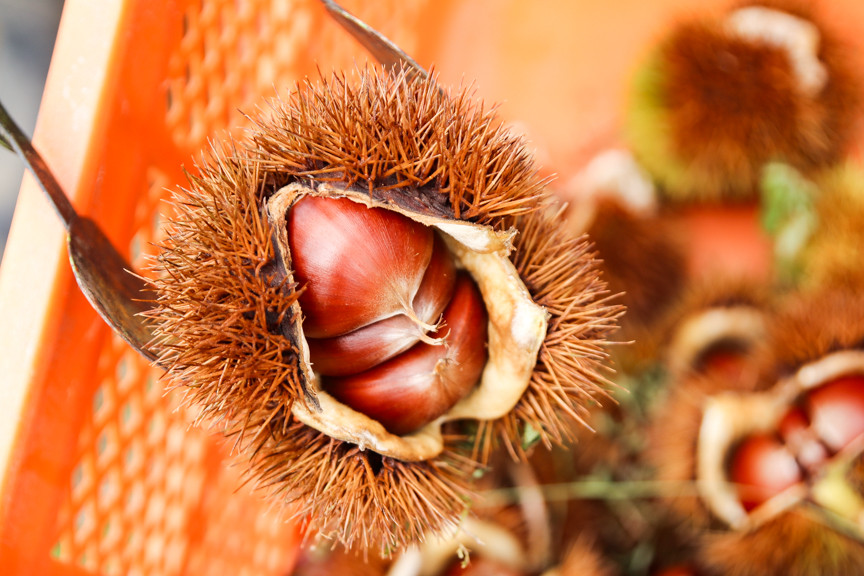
(229, 326)
(517, 328)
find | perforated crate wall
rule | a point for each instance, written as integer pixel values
(108, 475)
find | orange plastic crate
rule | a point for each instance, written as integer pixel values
(102, 472)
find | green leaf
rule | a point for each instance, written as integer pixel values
(530, 437)
(788, 216)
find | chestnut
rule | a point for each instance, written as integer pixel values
(356, 264)
(718, 331)
(836, 411)
(762, 467)
(412, 389)
(797, 434)
(371, 235)
(374, 343)
(725, 359)
(782, 496)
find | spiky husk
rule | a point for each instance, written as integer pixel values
(708, 110)
(584, 559)
(804, 329)
(223, 301)
(673, 436)
(643, 260)
(794, 544)
(388, 133)
(798, 542)
(719, 294)
(563, 276)
(834, 253)
(671, 448)
(810, 325)
(221, 297)
(353, 496)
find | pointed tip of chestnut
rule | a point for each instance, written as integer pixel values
(368, 346)
(358, 264)
(762, 467)
(414, 388)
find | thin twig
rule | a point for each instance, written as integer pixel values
(597, 490)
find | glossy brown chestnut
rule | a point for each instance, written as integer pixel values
(762, 467)
(725, 359)
(357, 265)
(801, 439)
(412, 389)
(370, 345)
(836, 411)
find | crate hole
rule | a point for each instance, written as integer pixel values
(150, 384)
(111, 567)
(134, 500)
(103, 402)
(169, 101)
(154, 548)
(133, 458)
(98, 400)
(82, 479)
(130, 416)
(259, 556)
(122, 368)
(277, 559)
(174, 556)
(130, 371)
(78, 476)
(109, 491)
(156, 472)
(106, 445)
(175, 516)
(84, 521)
(111, 536)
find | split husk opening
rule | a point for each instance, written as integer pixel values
(517, 328)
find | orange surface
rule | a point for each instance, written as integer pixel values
(102, 474)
